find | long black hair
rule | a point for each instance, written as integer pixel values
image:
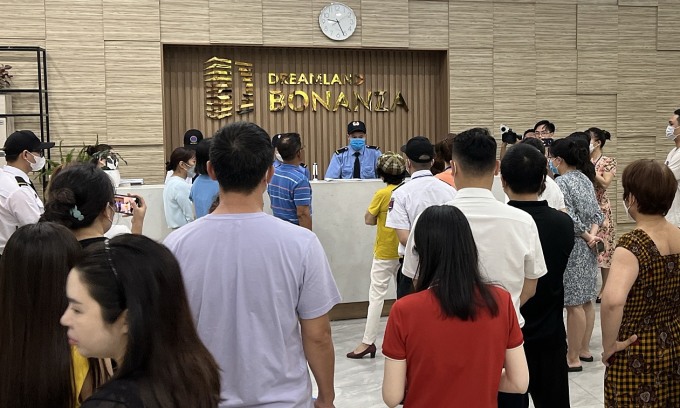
(448, 263)
(164, 354)
(575, 152)
(36, 358)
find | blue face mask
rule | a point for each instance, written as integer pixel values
(552, 167)
(357, 143)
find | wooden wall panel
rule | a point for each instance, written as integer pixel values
(287, 22)
(562, 2)
(133, 72)
(416, 74)
(562, 106)
(667, 32)
(74, 20)
(184, 21)
(16, 11)
(385, 24)
(637, 28)
(471, 25)
(513, 26)
(243, 25)
(667, 94)
(75, 66)
(471, 88)
(636, 99)
(555, 26)
(428, 25)
(597, 72)
(514, 88)
(147, 162)
(131, 20)
(556, 71)
(320, 40)
(598, 27)
(648, 3)
(77, 119)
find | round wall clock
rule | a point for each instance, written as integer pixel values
(337, 21)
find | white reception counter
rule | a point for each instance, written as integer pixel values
(338, 220)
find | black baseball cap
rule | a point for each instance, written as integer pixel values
(22, 140)
(192, 137)
(419, 149)
(356, 126)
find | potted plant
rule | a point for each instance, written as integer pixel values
(5, 76)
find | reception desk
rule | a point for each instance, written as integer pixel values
(338, 209)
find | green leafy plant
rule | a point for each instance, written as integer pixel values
(79, 156)
(5, 76)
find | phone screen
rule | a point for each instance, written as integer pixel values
(123, 204)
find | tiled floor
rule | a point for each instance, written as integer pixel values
(358, 382)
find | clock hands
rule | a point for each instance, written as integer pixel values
(340, 26)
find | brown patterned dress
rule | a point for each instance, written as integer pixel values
(647, 373)
(607, 230)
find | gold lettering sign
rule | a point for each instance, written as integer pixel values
(218, 78)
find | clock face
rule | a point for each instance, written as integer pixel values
(337, 21)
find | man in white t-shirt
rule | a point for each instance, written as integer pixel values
(410, 198)
(507, 239)
(260, 288)
(673, 163)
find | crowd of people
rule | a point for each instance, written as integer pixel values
(232, 309)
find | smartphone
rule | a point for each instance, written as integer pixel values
(599, 246)
(123, 204)
(548, 141)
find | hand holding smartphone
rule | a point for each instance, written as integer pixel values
(123, 204)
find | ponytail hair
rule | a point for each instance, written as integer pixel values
(575, 152)
(600, 134)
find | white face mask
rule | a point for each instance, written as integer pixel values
(627, 211)
(278, 156)
(114, 175)
(670, 133)
(592, 147)
(39, 163)
(191, 171)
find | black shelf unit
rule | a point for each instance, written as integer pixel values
(41, 91)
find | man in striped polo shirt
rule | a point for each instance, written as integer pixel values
(289, 191)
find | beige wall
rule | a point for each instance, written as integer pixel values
(607, 63)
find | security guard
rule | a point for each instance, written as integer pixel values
(356, 160)
(19, 201)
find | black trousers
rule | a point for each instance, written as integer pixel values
(548, 377)
(404, 283)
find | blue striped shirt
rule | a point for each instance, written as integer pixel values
(288, 190)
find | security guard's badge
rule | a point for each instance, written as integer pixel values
(193, 139)
(355, 123)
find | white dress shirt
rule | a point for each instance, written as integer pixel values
(506, 238)
(19, 206)
(673, 163)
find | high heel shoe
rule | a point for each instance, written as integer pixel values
(369, 350)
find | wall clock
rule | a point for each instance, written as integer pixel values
(337, 21)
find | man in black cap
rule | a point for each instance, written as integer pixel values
(411, 198)
(19, 201)
(356, 160)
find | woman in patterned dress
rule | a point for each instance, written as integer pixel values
(605, 171)
(641, 302)
(580, 277)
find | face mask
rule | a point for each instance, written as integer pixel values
(627, 210)
(670, 130)
(39, 163)
(553, 168)
(278, 156)
(191, 171)
(114, 175)
(592, 147)
(357, 143)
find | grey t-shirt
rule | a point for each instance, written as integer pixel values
(249, 278)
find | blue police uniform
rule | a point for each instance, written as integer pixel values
(342, 163)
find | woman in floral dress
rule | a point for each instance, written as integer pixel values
(640, 310)
(580, 276)
(605, 171)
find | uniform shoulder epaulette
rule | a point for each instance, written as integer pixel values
(372, 147)
(21, 182)
(400, 184)
(304, 166)
(341, 151)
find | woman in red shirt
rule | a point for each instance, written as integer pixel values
(456, 341)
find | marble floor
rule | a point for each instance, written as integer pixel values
(358, 382)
